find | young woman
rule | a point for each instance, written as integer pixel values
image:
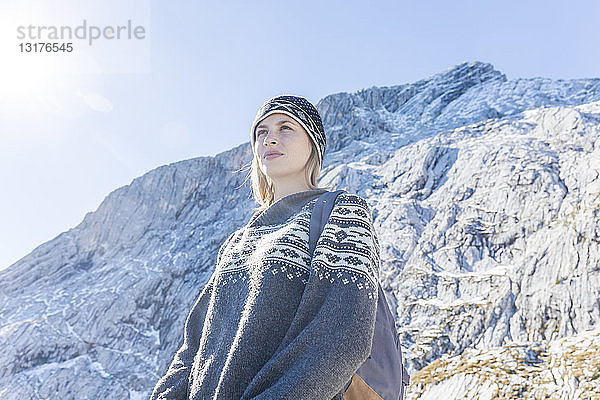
(272, 323)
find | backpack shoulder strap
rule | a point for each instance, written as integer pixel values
(386, 352)
(319, 217)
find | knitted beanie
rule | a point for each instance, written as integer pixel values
(301, 110)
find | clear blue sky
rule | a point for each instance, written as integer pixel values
(67, 140)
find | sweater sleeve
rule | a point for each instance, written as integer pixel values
(174, 384)
(332, 331)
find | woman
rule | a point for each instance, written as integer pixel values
(271, 323)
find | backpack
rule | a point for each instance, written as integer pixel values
(383, 370)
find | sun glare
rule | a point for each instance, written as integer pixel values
(32, 82)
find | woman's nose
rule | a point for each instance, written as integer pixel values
(269, 137)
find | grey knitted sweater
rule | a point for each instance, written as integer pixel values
(270, 323)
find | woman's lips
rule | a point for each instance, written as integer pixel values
(271, 156)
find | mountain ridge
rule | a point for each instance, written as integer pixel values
(470, 176)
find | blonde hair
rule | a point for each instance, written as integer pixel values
(262, 185)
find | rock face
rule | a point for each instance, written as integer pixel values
(565, 368)
(486, 198)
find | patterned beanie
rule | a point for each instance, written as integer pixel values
(301, 110)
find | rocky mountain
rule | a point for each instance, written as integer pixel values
(565, 368)
(486, 198)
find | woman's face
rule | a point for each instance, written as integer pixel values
(282, 134)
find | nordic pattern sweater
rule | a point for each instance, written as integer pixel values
(271, 324)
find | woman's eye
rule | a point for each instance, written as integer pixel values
(260, 132)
